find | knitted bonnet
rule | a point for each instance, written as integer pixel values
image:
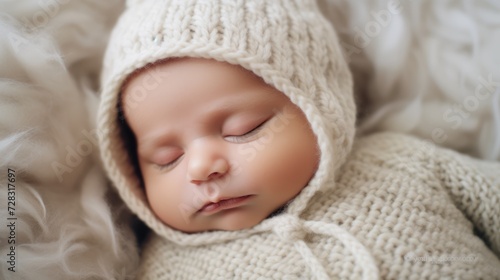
(288, 43)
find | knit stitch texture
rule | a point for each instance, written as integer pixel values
(402, 208)
(364, 215)
(286, 43)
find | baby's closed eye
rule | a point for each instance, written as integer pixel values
(247, 134)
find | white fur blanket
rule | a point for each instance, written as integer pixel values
(61, 222)
(428, 68)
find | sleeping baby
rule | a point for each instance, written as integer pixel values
(228, 128)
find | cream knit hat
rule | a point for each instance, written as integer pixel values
(288, 43)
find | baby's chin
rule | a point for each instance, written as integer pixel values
(226, 227)
(228, 222)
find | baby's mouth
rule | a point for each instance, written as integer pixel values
(223, 204)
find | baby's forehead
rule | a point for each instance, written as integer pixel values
(187, 75)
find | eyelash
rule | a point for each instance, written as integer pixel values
(169, 165)
(234, 138)
(242, 138)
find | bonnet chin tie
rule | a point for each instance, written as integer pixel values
(294, 230)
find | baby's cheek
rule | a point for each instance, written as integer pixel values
(161, 192)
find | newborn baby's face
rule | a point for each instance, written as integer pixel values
(218, 148)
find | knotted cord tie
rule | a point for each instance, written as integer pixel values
(291, 229)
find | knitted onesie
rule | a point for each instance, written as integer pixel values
(385, 206)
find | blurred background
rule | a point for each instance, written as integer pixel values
(427, 68)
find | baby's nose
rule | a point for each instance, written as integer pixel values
(205, 169)
(206, 162)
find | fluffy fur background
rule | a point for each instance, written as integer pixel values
(417, 70)
(67, 226)
(428, 68)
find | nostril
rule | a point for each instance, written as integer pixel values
(202, 169)
(214, 175)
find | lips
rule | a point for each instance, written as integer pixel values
(224, 204)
